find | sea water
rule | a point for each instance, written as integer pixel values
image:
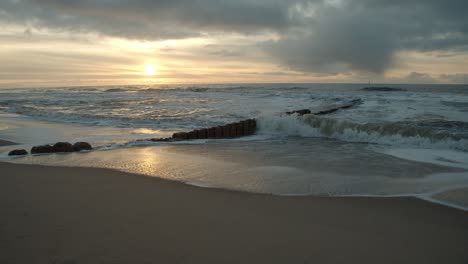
(410, 141)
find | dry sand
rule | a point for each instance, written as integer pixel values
(82, 215)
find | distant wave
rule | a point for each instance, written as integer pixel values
(116, 90)
(151, 90)
(413, 118)
(463, 106)
(189, 89)
(383, 89)
(195, 89)
(84, 89)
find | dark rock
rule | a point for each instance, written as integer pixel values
(300, 112)
(63, 147)
(79, 146)
(211, 132)
(383, 89)
(181, 136)
(18, 152)
(42, 149)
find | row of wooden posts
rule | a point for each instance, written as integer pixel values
(232, 130)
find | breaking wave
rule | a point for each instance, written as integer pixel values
(438, 134)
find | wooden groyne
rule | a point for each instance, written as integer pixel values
(232, 130)
(243, 128)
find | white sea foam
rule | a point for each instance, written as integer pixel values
(448, 158)
(394, 134)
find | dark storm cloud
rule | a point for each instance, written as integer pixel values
(321, 36)
(147, 19)
(364, 35)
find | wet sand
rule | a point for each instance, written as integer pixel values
(6, 143)
(83, 215)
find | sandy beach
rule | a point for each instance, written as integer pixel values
(243, 132)
(83, 215)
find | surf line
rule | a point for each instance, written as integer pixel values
(243, 128)
(233, 130)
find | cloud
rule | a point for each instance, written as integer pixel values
(150, 20)
(418, 77)
(324, 37)
(222, 51)
(364, 35)
(461, 78)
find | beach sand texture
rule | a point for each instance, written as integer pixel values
(82, 215)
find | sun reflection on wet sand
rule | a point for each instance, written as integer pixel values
(232, 166)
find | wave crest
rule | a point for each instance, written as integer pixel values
(439, 134)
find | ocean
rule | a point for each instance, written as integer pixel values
(410, 141)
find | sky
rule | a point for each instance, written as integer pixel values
(118, 42)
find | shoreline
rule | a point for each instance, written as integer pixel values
(92, 215)
(5, 143)
(422, 197)
(426, 197)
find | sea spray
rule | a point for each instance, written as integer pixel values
(415, 134)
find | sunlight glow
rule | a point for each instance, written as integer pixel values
(150, 69)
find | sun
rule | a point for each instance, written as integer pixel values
(150, 69)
